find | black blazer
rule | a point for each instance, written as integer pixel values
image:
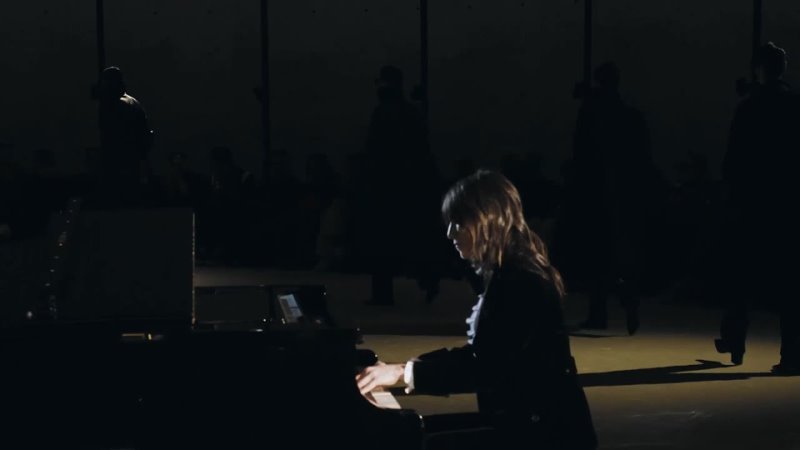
(519, 365)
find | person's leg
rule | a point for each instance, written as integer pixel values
(597, 318)
(783, 252)
(630, 303)
(790, 340)
(736, 288)
(733, 330)
(601, 269)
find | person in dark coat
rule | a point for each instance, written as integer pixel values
(397, 150)
(759, 170)
(517, 357)
(125, 141)
(609, 196)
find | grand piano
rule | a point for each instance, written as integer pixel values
(78, 375)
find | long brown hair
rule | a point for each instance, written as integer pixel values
(488, 205)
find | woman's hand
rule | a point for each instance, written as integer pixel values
(381, 374)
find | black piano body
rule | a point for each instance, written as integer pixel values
(103, 359)
(91, 385)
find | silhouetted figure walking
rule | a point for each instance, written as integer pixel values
(761, 245)
(125, 142)
(602, 232)
(400, 211)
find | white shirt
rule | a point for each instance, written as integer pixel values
(472, 320)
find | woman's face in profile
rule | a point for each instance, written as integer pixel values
(461, 240)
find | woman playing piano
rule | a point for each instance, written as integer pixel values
(517, 357)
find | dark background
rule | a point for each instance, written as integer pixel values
(501, 73)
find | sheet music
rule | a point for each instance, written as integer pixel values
(291, 310)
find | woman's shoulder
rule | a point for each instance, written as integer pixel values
(527, 292)
(525, 278)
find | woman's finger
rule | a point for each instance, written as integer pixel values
(367, 387)
(365, 381)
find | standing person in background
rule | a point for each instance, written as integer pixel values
(396, 151)
(125, 142)
(610, 195)
(761, 243)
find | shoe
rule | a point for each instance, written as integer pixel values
(784, 369)
(723, 346)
